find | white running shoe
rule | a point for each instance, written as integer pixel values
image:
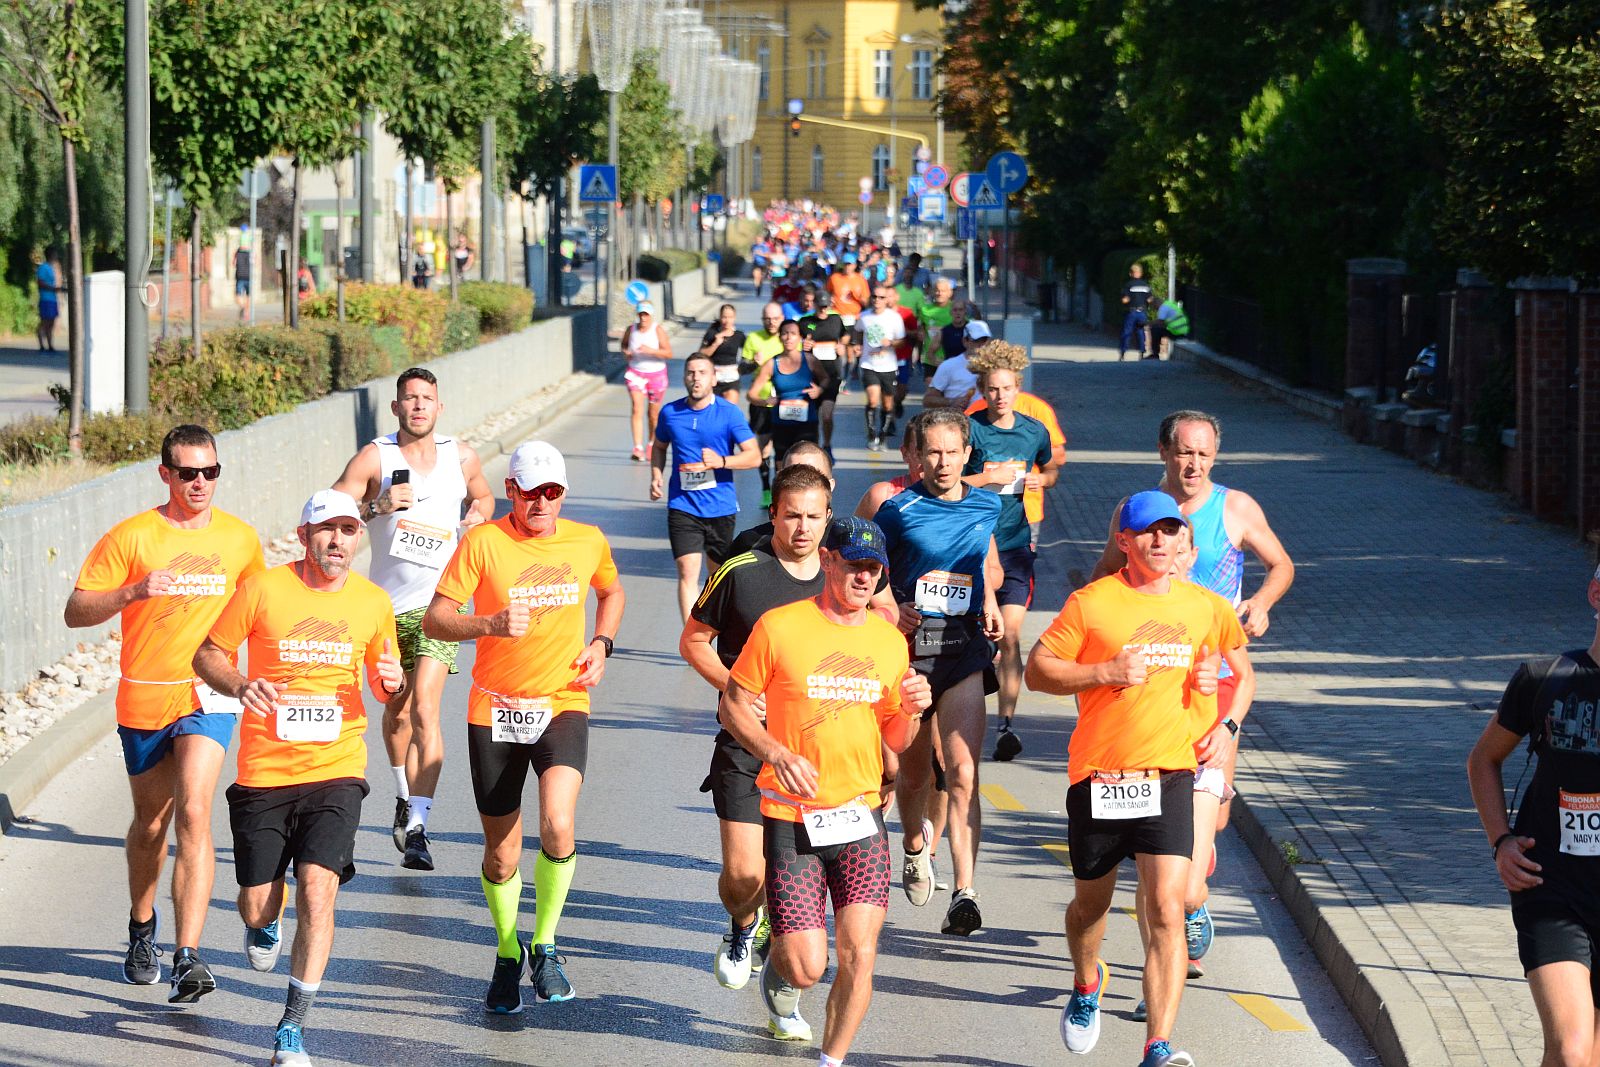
(732, 964)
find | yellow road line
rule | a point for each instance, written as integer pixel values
(1001, 797)
(1132, 914)
(1267, 1010)
(1059, 851)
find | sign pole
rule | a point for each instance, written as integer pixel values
(1005, 262)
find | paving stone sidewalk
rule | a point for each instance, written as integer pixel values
(1414, 601)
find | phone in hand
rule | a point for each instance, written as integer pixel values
(400, 477)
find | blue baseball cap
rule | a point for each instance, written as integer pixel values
(856, 539)
(1144, 510)
(848, 257)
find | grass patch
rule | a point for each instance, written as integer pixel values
(21, 483)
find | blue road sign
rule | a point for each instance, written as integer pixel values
(936, 176)
(908, 204)
(1007, 172)
(865, 197)
(931, 208)
(915, 186)
(966, 224)
(636, 293)
(597, 183)
(985, 197)
(713, 204)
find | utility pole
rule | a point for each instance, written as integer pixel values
(493, 247)
(136, 204)
(365, 198)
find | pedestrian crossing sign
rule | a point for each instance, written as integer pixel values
(597, 183)
(984, 197)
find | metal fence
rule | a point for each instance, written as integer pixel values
(1229, 325)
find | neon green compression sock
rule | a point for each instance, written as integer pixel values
(505, 899)
(551, 879)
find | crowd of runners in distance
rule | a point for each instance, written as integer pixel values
(849, 653)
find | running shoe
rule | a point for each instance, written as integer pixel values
(638, 454)
(916, 877)
(1160, 1054)
(1195, 970)
(1140, 1012)
(142, 964)
(545, 972)
(761, 944)
(262, 947)
(963, 917)
(783, 1008)
(1198, 930)
(732, 963)
(505, 990)
(417, 857)
(402, 810)
(1080, 1019)
(289, 1047)
(1008, 746)
(191, 978)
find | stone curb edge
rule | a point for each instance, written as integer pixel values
(1388, 1008)
(1320, 405)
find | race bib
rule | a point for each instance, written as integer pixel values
(1019, 477)
(314, 717)
(1580, 823)
(727, 374)
(214, 703)
(427, 546)
(1124, 794)
(944, 592)
(520, 720)
(794, 410)
(691, 478)
(841, 825)
(825, 350)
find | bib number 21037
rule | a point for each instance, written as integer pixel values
(521, 722)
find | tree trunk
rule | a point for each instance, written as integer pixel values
(75, 323)
(450, 239)
(292, 282)
(338, 235)
(194, 281)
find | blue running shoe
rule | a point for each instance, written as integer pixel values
(261, 947)
(545, 972)
(1080, 1019)
(1160, 1054)
(1198, 930)
(289, 1047)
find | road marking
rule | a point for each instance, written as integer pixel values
(1001, 798)
(1133, 913)
(1267, 1010)
(1059, 851)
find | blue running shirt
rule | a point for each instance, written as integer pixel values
(1026, 447)
(937, 549)
(719, 426)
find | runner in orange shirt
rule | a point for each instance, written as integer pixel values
(838, 686)
(526, 576)
(170, 571)
(308, 628)
(1136, 648)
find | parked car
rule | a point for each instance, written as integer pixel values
(579, 236)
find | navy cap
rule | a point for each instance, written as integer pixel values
(1144, 510)
(855, 539)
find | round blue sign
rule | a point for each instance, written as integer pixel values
(637, 292)
(866, 197)
(1007, 172)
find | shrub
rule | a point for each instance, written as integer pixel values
(355, 355)
(418, 312)
(460, 328)
(111, 439)
(392, 339)
(18, 312)
(731, 265)
(243, 374)
(501, 308)
(665, 263)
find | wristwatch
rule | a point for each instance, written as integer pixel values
(1233, 727)
(611, 646)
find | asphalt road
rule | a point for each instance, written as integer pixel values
(414, 950)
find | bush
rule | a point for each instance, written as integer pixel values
(666, 263)
(460, 328)
(418, 312)
(355, 355)
(110, 439)
(732, 265)
(18, 312)
(392, 339)
(501, 308)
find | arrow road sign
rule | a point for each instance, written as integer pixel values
(597, 183)
(935, 176)
(985, 198)
(636, 293)
(916, 186)
(966, 224)
(961, 188)
(1008, 172)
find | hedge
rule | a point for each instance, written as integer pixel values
(501, 308)
(666, 263)
(418, 312)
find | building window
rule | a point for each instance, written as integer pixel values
(816, 73)
(764, 61)
(922, 74)
(880, 167)
(883, 73)
(755, 168)
(816, 167)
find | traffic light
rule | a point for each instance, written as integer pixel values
(794, 127)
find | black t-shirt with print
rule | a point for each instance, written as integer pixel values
(746, 587)
(727, 353)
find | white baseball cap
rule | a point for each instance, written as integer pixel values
(645, 308)
(977, 330)
(537, 463)
(326, 505)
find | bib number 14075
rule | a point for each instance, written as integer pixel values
(944, 592)
(521, 722)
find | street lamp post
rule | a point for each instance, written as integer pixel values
(613, 31)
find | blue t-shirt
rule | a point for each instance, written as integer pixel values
(719, 426)
(47, 292)
(1026, 443)
(937, 549)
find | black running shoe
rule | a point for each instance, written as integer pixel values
(963, 917)
(417, 857)
(142, 964)
(1008, 746)
(402, 813)
(191, 978)
(505, 988)
(544, 971)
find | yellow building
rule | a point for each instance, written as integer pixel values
(869, 62)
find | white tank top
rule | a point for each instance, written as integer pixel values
(644, 364)
(411, 547)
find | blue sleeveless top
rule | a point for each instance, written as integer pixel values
(1219, 563)
(794, 386)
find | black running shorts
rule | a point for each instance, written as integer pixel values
(947, 652)
(885, 380)
(1017, 588)
(1097, 846)
(690, 534)
(1550, 930)
(760, 420)
(500, 768)
(313, 823)
(732, 781)
(801, 878)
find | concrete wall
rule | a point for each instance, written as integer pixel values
(269, 468)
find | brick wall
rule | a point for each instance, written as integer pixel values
(1588, 428)
(1546, 311)
(1373, 343)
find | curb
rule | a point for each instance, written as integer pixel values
(1309, 401)
(1388, 1008)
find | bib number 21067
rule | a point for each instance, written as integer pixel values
(521, 722)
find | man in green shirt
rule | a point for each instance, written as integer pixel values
(935, 316)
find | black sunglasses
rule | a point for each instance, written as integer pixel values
(549, 492)
(189, 474)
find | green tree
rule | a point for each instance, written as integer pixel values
(651, 161)
(554, 124)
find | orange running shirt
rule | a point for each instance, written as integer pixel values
(830, 688)
(1034, 408)
(316, 642)
(1231, 635)
(160, 634)
(496, 565)
(1141, 727)
(849, 292)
